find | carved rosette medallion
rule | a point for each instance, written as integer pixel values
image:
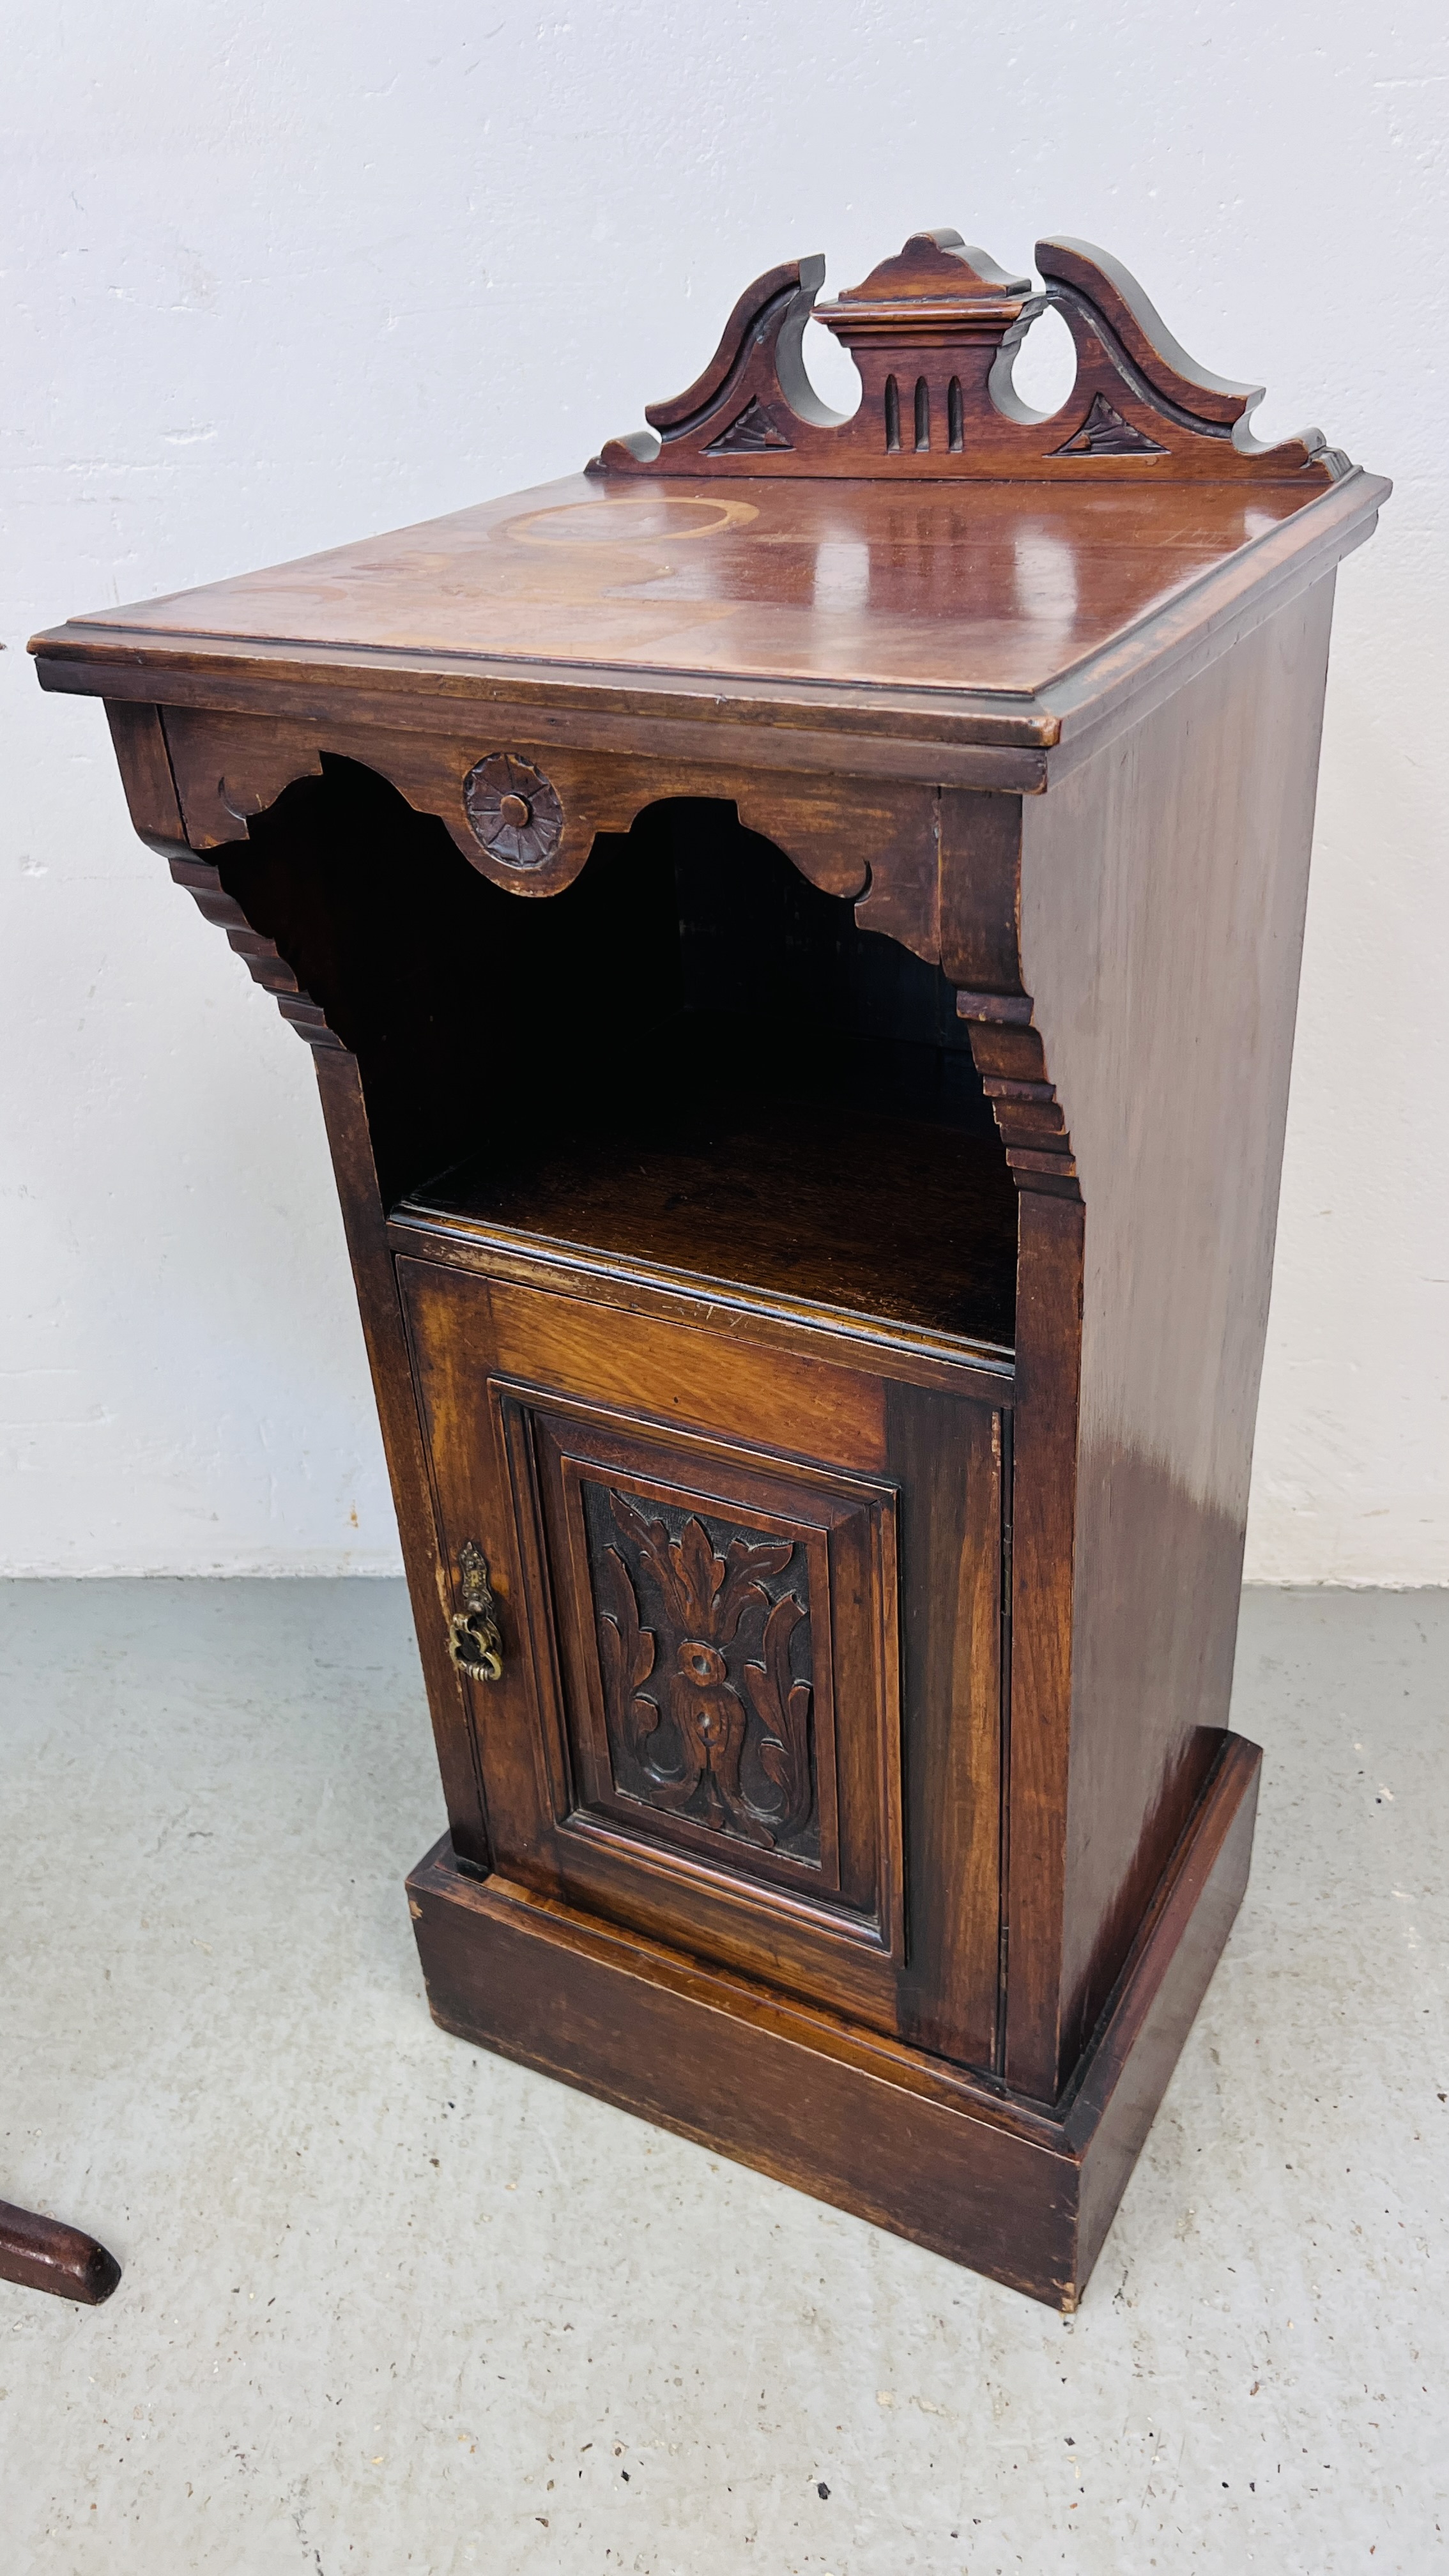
(514, 811)
(704, 1642)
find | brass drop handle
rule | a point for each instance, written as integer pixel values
(474, 1640)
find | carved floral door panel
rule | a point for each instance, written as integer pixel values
(697, 1729)
(727, 1653)
(744, 1763)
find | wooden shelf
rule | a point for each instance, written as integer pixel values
(846, 1176)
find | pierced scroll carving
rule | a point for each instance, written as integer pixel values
(706, 1662)
(934, 333)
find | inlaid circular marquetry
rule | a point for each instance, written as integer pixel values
(630, 519)
(514, 810)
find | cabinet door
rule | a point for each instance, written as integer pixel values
(694, 1545)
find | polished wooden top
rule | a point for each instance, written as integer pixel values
(943, 566)
(986, 590)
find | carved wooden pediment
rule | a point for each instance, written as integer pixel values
(935, 333)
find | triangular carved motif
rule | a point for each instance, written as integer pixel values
(1104, 432)
(749, 434)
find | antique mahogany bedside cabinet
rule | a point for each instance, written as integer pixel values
(799, 932)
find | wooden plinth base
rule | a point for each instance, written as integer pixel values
(876, 2128)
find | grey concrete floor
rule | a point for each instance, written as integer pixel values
(391, 2304)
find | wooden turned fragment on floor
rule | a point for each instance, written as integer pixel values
(40, 2254)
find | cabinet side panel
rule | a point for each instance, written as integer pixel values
(949, 1458)
(1038, 1751)
(1163, 894)
(340, 1083)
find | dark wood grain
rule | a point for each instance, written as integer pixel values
(1045, 1441)
(953, 1461)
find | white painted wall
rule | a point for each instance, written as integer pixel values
(278, 275)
